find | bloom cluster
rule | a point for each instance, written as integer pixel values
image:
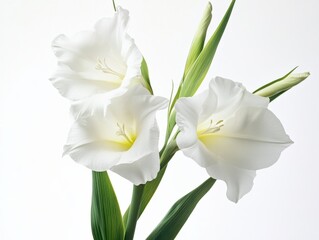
(225, 129)
(115, 127)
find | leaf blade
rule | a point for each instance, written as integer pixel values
(106, 219)
(176, 217)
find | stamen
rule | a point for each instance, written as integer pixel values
(102, 65)
(213, 128)
(220, 121)
(121, 132)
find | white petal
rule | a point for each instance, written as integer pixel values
(249, 138)
(231, 96)
(239, 181)
(95, 142)
(96, 104)
(228, 95)
(113, 27)
(87, 146)
(139, 102)
(99, 61)
(189, 112)
(141, 171)
(252, 139)
(77, 52)
(95, 156)
(252, 100)
(197, 151)
(141, 162)
(75, 85)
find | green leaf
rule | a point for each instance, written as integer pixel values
(199, 38)
(176, 217)
(145, 74)
(199, 69)
(106, 219)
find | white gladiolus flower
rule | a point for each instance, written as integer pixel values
(231, 133)
(123, 139)
(104, 60)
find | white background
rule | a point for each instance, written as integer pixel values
(43, 196)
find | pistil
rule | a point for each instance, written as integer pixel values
(122, 132)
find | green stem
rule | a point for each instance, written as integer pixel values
(114, 6)
(134, 208)
(168, 153)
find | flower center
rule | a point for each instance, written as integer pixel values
(102, 66)
(212, 128)
(128, 139)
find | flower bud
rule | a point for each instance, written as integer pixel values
(282, 84)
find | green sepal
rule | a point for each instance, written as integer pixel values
(145, 74)
(272, 98)
(176, 217)
(106, 218)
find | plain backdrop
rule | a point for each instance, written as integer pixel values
(45, 196)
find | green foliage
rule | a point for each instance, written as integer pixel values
(176, 217)
(145, 74)
(106, 218)
(200, 67)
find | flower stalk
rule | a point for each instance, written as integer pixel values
(114, 5)
(168, 153)
(133, 212)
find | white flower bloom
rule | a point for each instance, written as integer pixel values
(100, 61)
(123, 139)
(231, 133)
